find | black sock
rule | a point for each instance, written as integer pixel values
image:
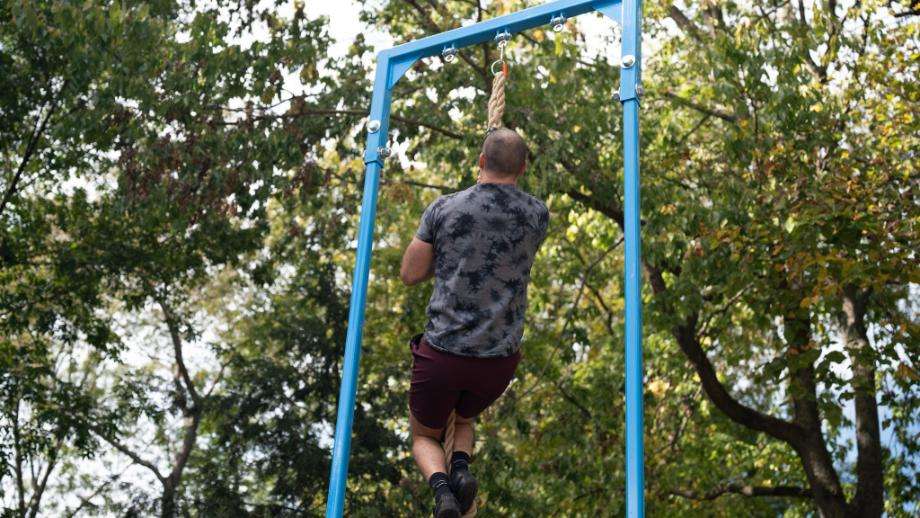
(439, 483)
(459, 460)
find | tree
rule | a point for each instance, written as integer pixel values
(141, 147)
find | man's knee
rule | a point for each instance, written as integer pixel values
(465, 420)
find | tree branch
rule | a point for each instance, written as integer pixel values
(689, 343)
(31, 147)
(188, 444)
(727, 117)
(433, 27)
(192, 415)
(127, 451)
(321, 112)
(404, 120)
(86, 500)
(39, 490)
(17, 449)
(173, 327)
(716, 391)
(684, 23)
(745, 490)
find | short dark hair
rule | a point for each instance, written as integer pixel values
(505, 152)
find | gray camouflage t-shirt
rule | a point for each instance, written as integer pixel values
(485, 239)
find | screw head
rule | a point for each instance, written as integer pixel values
(640, 91)
(383, 151)
(449, 54)
(616, 96)
(373, 126)
(628, 60)
(558, 23)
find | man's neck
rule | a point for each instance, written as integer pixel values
(487, 177)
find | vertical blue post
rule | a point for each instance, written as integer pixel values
(629, 83)
(380, 111)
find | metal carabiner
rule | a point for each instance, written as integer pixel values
(502, 43)
(505, 66)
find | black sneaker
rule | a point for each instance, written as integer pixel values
(446, 506)
(464, 485)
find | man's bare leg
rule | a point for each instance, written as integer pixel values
(463, 435)
(426, 448)
(463, 483)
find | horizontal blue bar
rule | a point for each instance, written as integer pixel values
(487, 30)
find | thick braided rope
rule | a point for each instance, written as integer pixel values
(496, 111)
(497, 100)
(448, 446)
(449, 438)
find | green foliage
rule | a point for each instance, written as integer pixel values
(180, 189)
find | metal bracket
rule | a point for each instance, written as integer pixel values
(558, 22)
(378, 155)
(399, 69)
(449, 54)
(612, 9)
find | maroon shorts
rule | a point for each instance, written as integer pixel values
(442, 382)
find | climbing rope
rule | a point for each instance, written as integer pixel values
(449, 438)
(497, 100)
(496, 112)
(448, 446)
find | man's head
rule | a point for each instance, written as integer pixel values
(504, 154)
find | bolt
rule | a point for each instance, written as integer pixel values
(383, 151)
(628, 60)
(640, 91)
(558, 23)
(449, 54)
(373, 126)
(616, 96)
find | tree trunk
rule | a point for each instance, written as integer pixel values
(168, 507)
(812, 449)
(870, 489)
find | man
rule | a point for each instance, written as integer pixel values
(479, 245)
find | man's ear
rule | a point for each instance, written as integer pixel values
(523, 168)
(482, 160)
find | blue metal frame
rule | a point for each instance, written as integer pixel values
(392, 64)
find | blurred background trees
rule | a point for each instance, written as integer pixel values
(180, 185)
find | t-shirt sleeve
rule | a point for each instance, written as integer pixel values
(428, 227)
(544, 222)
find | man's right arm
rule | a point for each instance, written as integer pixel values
(417, 263)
